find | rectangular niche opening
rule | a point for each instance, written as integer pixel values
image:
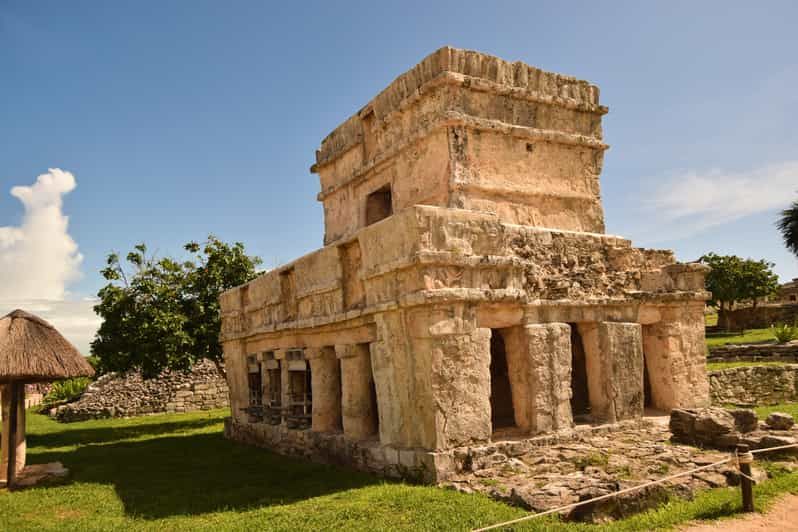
(379, 205)
(255, 389)
(300, 392)
(580, 399)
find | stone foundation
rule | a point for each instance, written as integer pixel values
(334, 448)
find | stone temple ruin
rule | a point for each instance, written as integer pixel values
(466, 292)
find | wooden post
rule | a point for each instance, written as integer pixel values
(745, 459)
(12, 435)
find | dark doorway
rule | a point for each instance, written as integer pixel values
(580, 399)
(648, 401)
(501, 397)
(375, 409)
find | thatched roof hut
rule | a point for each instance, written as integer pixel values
(31, 350)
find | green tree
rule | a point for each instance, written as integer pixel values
(788, 225)
(164, 313)
(733, 280)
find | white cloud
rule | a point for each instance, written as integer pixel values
(690, 202)
(38, 260)
(76, 320)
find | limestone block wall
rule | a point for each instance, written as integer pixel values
(754, 352)
(126, 395)
(759, 385)
(470, 131)
(760, 317)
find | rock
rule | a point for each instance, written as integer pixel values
(779, 421)
(682, 425)
(745, 419)
(772, 440)
(41, 473)
(705, 426)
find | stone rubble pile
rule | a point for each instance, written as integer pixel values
(723, 429)
(545, 473)
(128, 394)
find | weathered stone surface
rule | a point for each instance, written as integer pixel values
(464, 252)
(705, 426)
(745, 419)
(555, 471)
(126, 395)
(539, 361)
(359, 413)
(721, 429)
(614, 357)
(779, 421)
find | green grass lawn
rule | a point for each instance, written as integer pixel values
(789, 408)
(177, 472)
(750, 336)
(724, 365)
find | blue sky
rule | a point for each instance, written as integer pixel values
(183, 118)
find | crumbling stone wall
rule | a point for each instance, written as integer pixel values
(115, 395)
(754, 385)
(754, 352)
(760, 317)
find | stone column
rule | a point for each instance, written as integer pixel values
(450, 365)
(614, 359)
(235, 363)
(5, 401)
(675, 357)
(539, 363)
(325, 374)
(358, 409)
(285, 380)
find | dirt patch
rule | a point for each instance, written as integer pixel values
(63, 514)
(781, 516)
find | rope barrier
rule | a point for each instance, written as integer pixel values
(779, 448)
(743, 458)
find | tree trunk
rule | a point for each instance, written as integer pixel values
(723, 318)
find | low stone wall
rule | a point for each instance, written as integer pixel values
(754, 353)
(749, 385)
(128, 394)
(760, 317)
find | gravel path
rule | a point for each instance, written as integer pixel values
(783, 515)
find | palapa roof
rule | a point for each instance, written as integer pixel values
(32, 350)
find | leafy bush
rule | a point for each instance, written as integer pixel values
(66, 391)
(785, 333)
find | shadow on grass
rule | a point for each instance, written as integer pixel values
(79, 436)
(195, 474)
